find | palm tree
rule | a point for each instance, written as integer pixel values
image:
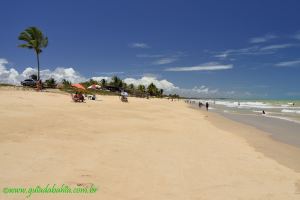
(66, 83)
(103, 83)
(141, 88)
(152, 89)
(35, 40)
(51, 83)
(116, 82)
(131, 86)
(33, 77)
(161, 92)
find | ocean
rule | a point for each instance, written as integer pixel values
(281, 109)
(281, 118)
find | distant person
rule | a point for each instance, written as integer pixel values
(200, 104)
(207, 105)
(39, 85)
(80, 97)
(263, 112)
(75, 97)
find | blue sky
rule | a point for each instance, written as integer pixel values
(205, 48)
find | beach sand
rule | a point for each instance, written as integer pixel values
(144, 149)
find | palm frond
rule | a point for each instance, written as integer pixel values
(44, 42)
(25, 46)
(24, 36)
(34, 38)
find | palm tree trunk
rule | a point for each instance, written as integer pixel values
(38, 62)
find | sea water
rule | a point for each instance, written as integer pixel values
(281, 109)
(281, 118)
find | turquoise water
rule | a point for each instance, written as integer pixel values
(281, 109)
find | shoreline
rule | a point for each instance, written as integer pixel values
(281, 130)
(262, 141)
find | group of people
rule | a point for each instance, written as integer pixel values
(200, 104)
(206, 105)
(78, 97)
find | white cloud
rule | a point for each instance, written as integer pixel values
(147, 80)
(139, 45)
(222, 55)
(262, 38)
(61, 73)
(290, 63)
(203, 67)
(253, 50)
(12, 76)
(163, 61)
(170, 88)
(276, 46)
(149, 55)
(110, 73)
(99, 78)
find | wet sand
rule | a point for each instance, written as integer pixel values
(284, 153)
(282, 130)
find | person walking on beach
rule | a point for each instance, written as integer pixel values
(200, 104)
(207, 105)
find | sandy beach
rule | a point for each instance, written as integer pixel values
(144, 149)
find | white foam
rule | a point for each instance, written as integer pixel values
(257, 111)
(252, 104)
(283, 118)
(248, 105)
(290, 111)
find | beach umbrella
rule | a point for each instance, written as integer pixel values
(124, 94)
(79, 86)
(94, 86)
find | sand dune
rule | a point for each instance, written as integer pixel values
(144, 149)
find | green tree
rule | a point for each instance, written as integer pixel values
(116, 82)
(35, 40)
(103, 83)
(51, 83)
(141, 88)
(92, 82)
(152, 90)
(124, 85)
(66, 83)
(33, 77)
(131, 87)
(161, 92)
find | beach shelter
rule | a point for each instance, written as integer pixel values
(79, 86)
(125, 94)
(94, 86)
